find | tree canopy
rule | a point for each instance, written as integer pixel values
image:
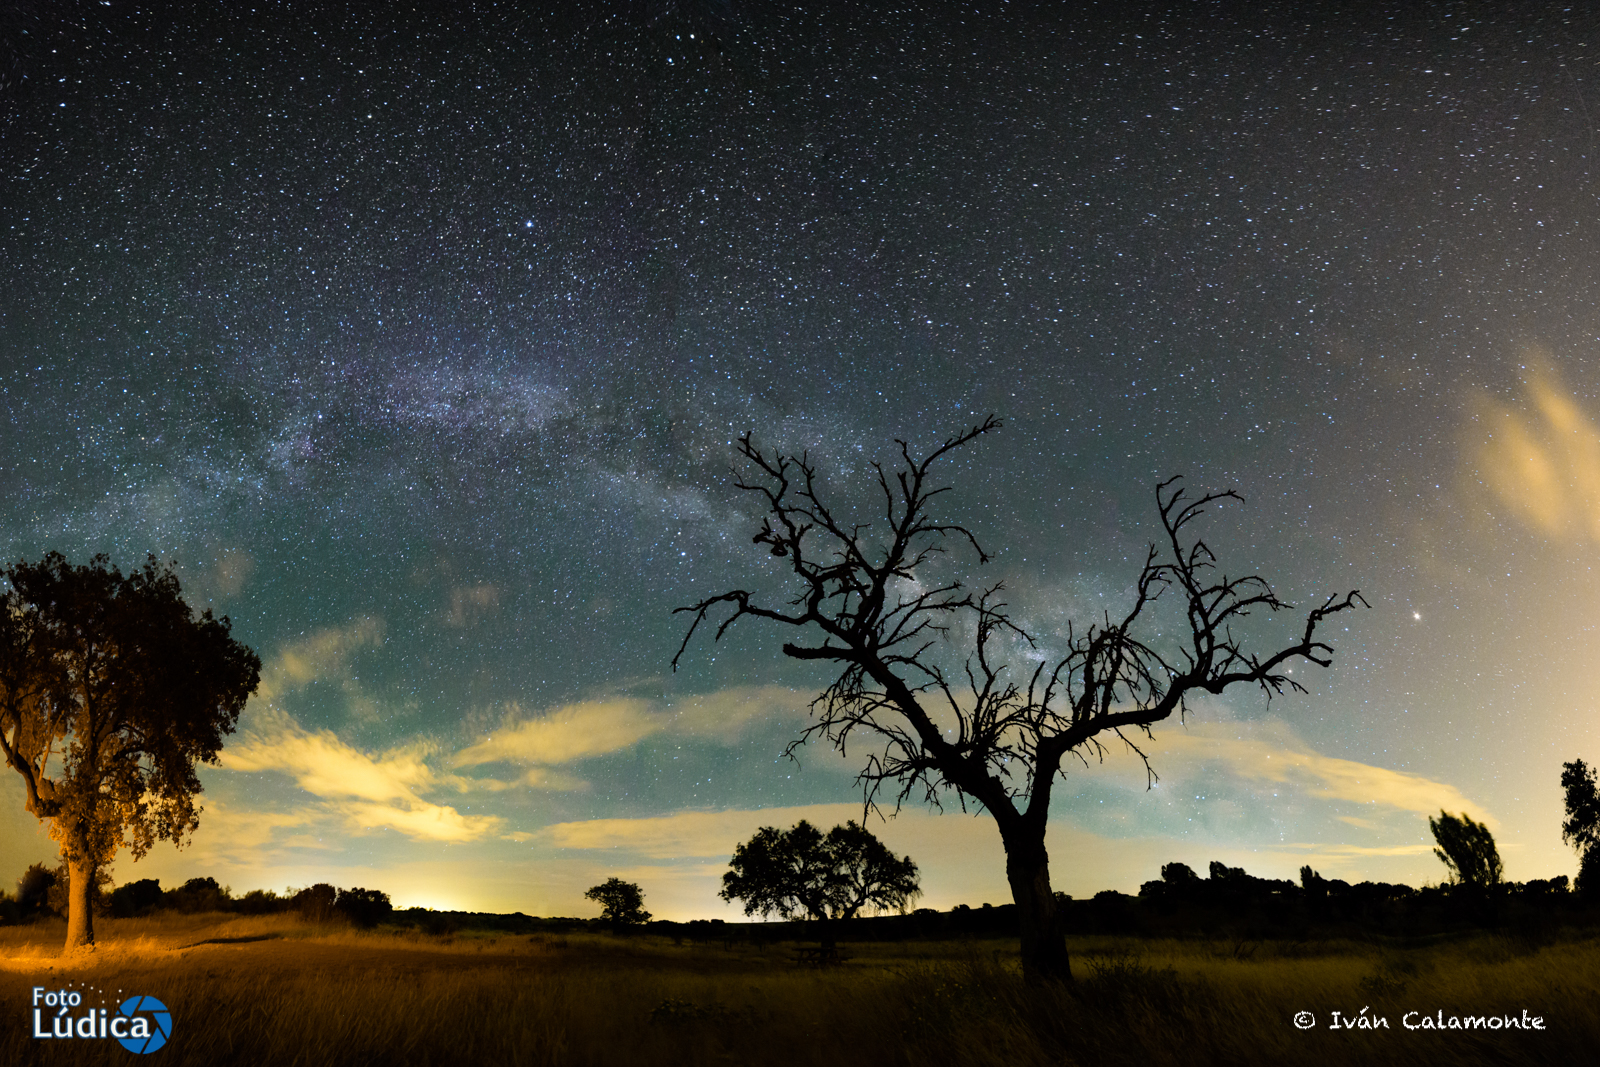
(1467, 849)
(877, 602)
(111, 690)
(1581, 829)
(621, 903)
(800, 871)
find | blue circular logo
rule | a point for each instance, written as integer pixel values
(156, 1029)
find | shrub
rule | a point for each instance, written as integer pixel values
(199, 894)
(261, 902)
(365, 908)
(316, 904)
(135, 898)
(33, 889)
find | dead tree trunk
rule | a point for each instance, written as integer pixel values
(1039, 922)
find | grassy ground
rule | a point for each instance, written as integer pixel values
(276, 991)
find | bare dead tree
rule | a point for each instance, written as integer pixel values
(1004, 739)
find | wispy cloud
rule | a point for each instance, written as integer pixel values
(592, 728)
(322, 656)
(722, 715)
(366, 790)
(233, 833)
(419, 819)
(1541, 458)
(324, 765)
(1275, 755)
(577, 731)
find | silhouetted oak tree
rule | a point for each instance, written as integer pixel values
(111, 690)
(864, 598)
(826, 878)
(1581, 829)
(621, 903)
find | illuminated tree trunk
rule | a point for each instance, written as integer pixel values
(1044, 944)
(80, 916)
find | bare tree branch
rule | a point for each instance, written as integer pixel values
(857, 590)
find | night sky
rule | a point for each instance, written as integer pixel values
(422, 342)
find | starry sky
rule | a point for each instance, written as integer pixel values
(423, 343)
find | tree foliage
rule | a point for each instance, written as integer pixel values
(874, 602)
(365, 908)
(111, 690)
(1581, 829)
(315, 903)
(1467, 849)
(621, 903)
(136, 898)
(197, 895)
(800, 871)
(33, 888)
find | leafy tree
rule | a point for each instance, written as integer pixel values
(1178, 883)
(1312, 883)
(1221, 872)
(33, 888)
(1178, 874)
(621, 903)
(199, 895)
(316, 903)
(1467, 850)
(261, 902)
(111, 690)
(874, 603)
(365, 908)
(800, 872)
(1582, 826)
(135, 898)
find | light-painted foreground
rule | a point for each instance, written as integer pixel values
(275, 991)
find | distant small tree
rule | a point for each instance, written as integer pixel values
(1178, 883)
(621, 903)
(135, 898)
(33, 888)
(198, 895)
(1581, 829)
(365, 908)
(826, 878)
(1221, 872)
(316, 903)
(1467, 850)
(1178, 873)
(261, 902)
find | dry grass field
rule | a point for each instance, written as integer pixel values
(275, 991)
